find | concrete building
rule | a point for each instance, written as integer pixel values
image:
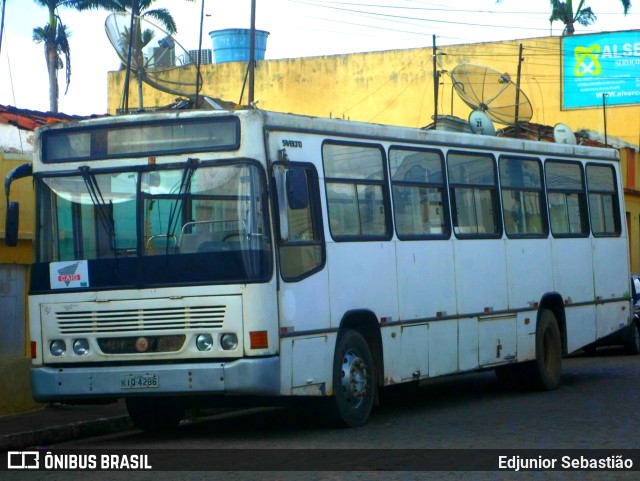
(16, 148)
(397, 87)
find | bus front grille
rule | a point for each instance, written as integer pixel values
(141, 320)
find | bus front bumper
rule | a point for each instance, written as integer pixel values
(259, 377)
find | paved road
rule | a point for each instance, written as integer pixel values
(596, 407)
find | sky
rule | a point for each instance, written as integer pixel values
(297, 28)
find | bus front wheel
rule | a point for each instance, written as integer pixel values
(353, 381)
(154, 414)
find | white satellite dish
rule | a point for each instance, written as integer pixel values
(480, 123)
(154, 53)
(563, 134)
(492, 92)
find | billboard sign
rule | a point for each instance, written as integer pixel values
(606, 63)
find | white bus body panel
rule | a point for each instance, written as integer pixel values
(480, 278)
(425, 277)
(362, 276)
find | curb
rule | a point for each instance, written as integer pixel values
(66, 432)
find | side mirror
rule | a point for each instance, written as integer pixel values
(11, 225)
(297, 189)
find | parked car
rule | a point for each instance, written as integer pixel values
(628, 337)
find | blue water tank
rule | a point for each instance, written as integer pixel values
(233, 44)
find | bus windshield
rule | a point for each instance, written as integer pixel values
(168, 216)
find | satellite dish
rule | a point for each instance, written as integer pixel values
(563, 134)
(154, 53)
(480, 123)
(491, 92)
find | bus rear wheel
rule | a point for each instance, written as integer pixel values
(154, 414)
(632, 346)
(353, 381)
(546, 371)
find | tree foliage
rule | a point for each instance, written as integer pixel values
(55, 35)
(566, 13)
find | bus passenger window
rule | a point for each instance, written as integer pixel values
(419, 204)
(522, 197)
(603, 200)
(356, 191)
(474, 195)
(566, 198)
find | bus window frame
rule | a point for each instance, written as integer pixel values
(317, 219)
(616, 201)
(496, 199)
(446, 214)
(544, 215)
(98, 155)
(386, 196)
(584, 204)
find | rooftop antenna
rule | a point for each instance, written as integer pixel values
(150, 53)
(491, 92)
(562, 134)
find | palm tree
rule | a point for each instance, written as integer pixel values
(564, 12)
(55, 35)
(138, 7)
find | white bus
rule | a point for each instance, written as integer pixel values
(182, 256)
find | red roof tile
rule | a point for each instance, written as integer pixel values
(30, 119)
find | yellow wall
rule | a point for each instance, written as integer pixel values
(15, 396)
(22, 192)
(630, 167)
(396, 87)
(391, 87)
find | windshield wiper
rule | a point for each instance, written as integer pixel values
(98, 200)
(183, 191)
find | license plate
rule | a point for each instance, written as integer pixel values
(139, 381)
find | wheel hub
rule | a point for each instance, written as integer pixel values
(354, 377)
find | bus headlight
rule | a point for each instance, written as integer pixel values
(204, 342)
(229, 341)
(57, 347)
(81, 347)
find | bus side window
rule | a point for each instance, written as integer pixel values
(603, 200)
(522, 197)
(301, 245)
(474, 195)
(566, 198)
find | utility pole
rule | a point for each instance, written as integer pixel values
(436, 84)
(516, 128)
(604, 114)
(125, 95)
(199, 59)
(252, 52)
(4, 4)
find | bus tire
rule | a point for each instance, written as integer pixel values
(632, 346)
(353, 381)
(154, 414)
(546, 371)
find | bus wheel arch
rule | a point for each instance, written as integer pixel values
(355, 370)
(366, 323)
(545, 372)
(553, 302)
